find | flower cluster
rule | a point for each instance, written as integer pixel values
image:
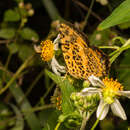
(84, 102)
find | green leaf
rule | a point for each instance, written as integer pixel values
(100, 37)
(13, 48)
(7, 33)
(31, 118)
(120, 15)
(5, 114)
(124, 70)
(19, 119)
(11, 16)
(25, 51)
(49, 118)
(124, 25)
(118, 52)
(66, 89)
(29, 34)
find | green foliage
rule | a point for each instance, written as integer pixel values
(29, 34)
(11, 16)
(20, 66)
(124, 71)
(25, 106)
(13, 48)
(120, 15)
(100, 37)
(19, 121)
(49, 118)
(5, 114)
(117, 52)
(66, 89)
(25, 51)
(7, 33)
(124, 25)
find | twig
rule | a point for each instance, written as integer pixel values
(88, 14)
(35, 109)
(4, 41)
(16, 75)
(86, 8)
(32, 85)
(52, 10)
(17, 92)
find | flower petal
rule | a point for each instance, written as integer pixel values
(91, 90)
(125, 93)
(56, 42)
(95, 81)
(118, 110)
(57, 67)
(102, 110)
(54, 69)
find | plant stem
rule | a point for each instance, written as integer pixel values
(33, 84)
(30, 117)
(17, 93)
(116, 53)
(8, 60)
(46, 93)
(6, 66)
(21, 68)
(97, 121)
(52, 10)
(109, 47)
(95, 124)
(83, 6)
(57, 126)
(39, 108)
(88, 14)
(85, 119)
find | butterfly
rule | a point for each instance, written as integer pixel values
(82, 60)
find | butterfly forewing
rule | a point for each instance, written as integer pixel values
(81, 60)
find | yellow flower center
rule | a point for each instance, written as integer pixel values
(111, 89)
(47, 50)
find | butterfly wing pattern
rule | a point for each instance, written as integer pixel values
(81, 60)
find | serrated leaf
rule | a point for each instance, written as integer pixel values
(120, 15)
(66, 88)
(7, 33)
(11, 16)
(13, 48)
(29, 34)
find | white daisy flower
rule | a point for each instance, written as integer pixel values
(109, 91)
(47, 50)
